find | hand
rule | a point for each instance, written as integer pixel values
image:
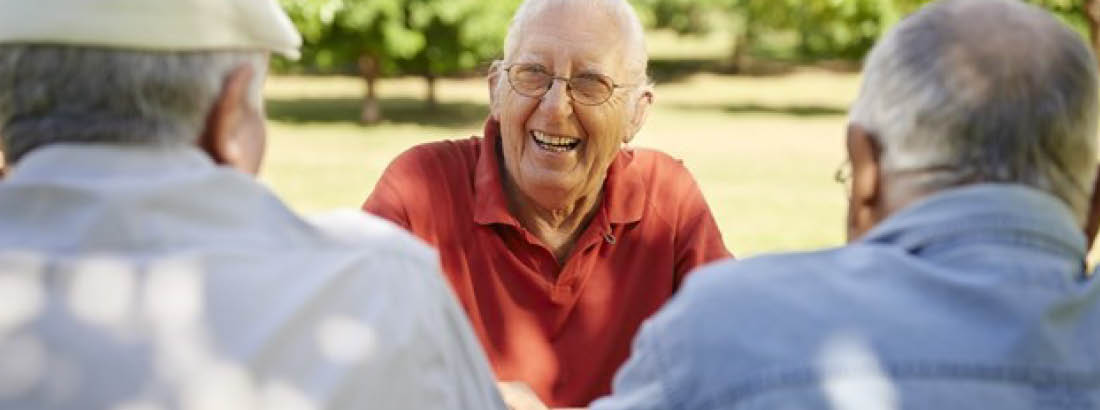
(519, 396)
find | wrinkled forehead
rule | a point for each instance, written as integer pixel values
(576, 34)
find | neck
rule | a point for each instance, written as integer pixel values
(558, 227)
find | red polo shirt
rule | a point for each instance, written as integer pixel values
(562, 329)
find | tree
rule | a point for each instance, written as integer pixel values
(685, 17)
(1092, 12)
(461, 34)
(848, 28)
(370, 35)
(375, 38)
(822, 28)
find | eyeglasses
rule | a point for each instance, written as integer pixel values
(843, 175)
(533, 80)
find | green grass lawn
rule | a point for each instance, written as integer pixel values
(763, 149)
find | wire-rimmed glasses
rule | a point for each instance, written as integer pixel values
(843, 175)
(533, 80)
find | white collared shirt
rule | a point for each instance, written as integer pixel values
(138, 278)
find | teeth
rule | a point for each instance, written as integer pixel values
(544, 138)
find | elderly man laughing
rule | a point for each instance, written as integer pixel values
(558, 241)
(973, 197)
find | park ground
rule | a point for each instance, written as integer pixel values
(763, 149)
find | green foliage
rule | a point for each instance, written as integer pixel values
(461, 34)
(443, 37)
(436, 37)
(821, 28)
(1070, 12)
(337, 33)
(809, 29)
(681, 16)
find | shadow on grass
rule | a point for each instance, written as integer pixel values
(794, 110)
(394, 110)
(674, 70)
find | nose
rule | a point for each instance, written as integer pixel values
(556, 102)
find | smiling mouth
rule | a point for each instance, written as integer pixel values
(555, 143)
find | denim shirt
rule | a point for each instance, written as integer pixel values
(973, 298)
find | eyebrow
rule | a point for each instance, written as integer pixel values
(590, 70)
(535, 56)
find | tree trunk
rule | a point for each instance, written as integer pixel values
(804, 31)
(368, 68)
(742, 44)
(430, 97)
(1092, 14)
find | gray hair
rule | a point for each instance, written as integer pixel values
(983, 91)
(636, 60)
(56, 94)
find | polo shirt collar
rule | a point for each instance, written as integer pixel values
(492, 205)
(624, 191)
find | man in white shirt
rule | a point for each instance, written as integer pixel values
(141, 267)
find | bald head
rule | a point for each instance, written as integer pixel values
(971, 91)
(619, 12)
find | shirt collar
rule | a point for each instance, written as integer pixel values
(115, 196)
(82, 162)
(624, 191)
(983, 207)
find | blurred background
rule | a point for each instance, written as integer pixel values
(751, 95)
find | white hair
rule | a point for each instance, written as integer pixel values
(636, 58)
(983, 91)
(56, 94)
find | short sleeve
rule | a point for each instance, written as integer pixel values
(387, 199)
(698, 240)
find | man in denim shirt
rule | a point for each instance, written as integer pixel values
(973, 169)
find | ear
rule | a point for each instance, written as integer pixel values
(1092, 219)
(641, 112)
(494, 80)
(219, 137)
(865, 201)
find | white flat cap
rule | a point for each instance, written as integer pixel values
(160, 25)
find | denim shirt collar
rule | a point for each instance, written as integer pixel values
(984, 208)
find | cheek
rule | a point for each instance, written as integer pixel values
(513, 115)
(605, 129)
